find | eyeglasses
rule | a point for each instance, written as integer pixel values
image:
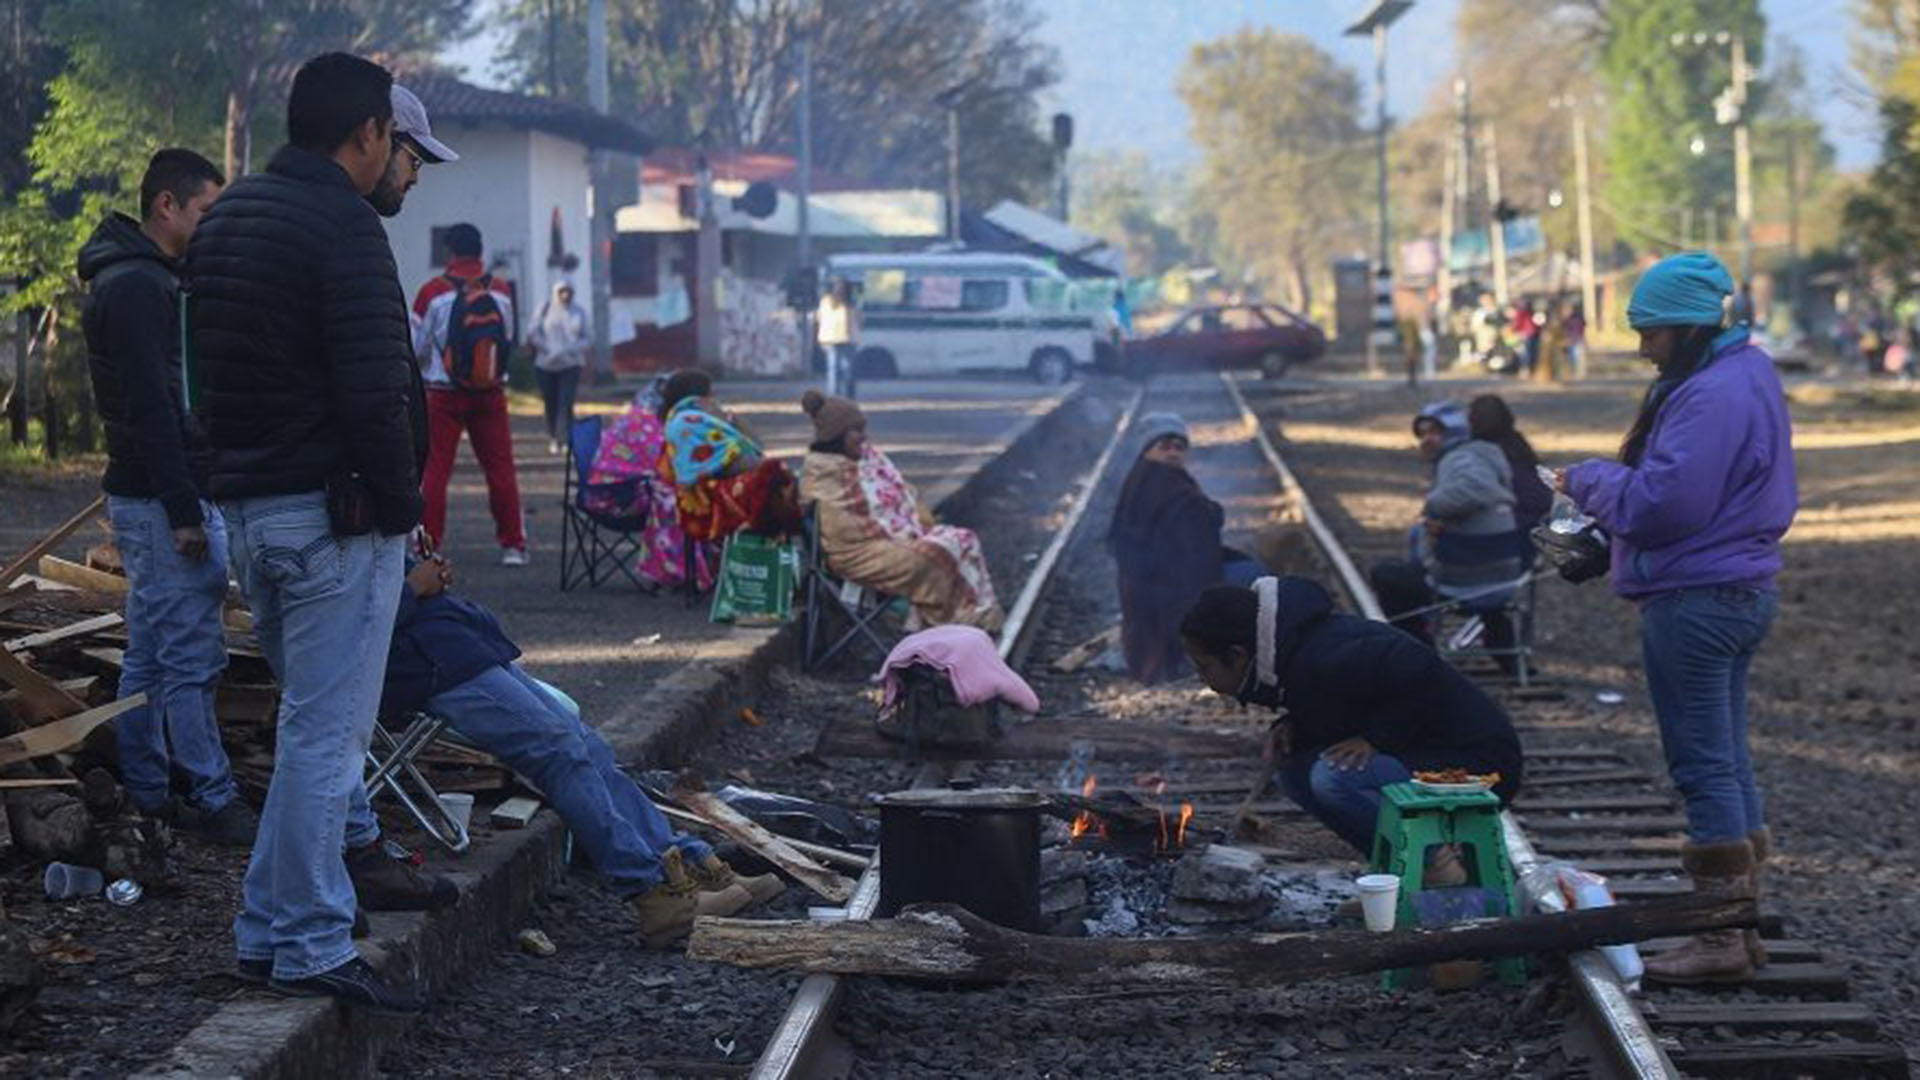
(418, 161)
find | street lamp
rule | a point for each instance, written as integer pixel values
(1589, 293)
(1730, 108)
(949, 99)
(1374, 24)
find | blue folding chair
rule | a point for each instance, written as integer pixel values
(594, 547)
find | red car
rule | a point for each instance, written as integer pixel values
(1264, 336)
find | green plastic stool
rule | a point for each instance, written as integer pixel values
(1410, 822)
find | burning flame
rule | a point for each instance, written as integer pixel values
(1180, 834)
(1087, 821)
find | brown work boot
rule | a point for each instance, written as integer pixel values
(713, 874)
(1717, 955)
(384, 881)
(1761, 840)
(667, 910)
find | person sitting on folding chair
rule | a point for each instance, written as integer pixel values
(723, 482)
(1467, 545)
(631, 448)
(450, 657)
(875, 532)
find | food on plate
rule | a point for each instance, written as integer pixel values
(1456, 776)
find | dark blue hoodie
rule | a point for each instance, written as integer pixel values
(1342, 676)
(439, 642)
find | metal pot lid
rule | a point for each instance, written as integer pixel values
(976, 799)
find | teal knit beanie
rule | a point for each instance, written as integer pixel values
(1692, 289)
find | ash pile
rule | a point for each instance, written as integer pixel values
(1211, 888)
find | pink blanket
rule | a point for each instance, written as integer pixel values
(971, 662)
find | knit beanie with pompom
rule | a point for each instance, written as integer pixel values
(832, 416)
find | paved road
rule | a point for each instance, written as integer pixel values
(596, 643)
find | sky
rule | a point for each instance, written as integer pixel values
(1120, 59)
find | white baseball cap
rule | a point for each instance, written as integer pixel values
(410, 119)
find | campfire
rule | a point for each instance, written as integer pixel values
(1122, 823)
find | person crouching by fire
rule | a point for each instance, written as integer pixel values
(1362, 705)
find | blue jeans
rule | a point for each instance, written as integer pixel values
(176, 651)
(1344, 800)
(523, 722)
(1698, 645)
(323, 611)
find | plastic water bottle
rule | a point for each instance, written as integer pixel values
(1624, 959)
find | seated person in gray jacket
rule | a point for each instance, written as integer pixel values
(1466, 543)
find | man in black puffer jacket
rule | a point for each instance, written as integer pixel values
(172, 542)
(302, 347)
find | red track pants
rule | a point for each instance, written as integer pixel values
(483, 416)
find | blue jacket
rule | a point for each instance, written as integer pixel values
(1714, 491)
(439, 642)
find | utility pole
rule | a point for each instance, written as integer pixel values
(706, 258)
(23, 334)
(804, 242)
(1589, 294)
(1496, 228)
(1742, 158)
(600, 209)
(1374, 24)
(1793, 220)
(953, 168)
(1443, 274)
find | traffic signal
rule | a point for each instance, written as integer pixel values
(1504, 211)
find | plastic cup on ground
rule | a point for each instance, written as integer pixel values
(459, 808)
(65, 881)
(1379, 897)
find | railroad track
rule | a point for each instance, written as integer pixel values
(1596, 805)
(1604, 810)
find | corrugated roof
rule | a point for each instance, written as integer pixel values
(449, 99)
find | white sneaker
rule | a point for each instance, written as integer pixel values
(514, 557)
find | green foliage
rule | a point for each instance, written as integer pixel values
(1286, 169)
(1883, 217)
(1119, 197)
(722, 75)
(1661, 96)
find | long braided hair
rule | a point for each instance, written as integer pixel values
(1689, 356)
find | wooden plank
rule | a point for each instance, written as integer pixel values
(818, 851)
(81, 688)
(62, 734)
(946, 943)
(20, 783)
(1816, 981)
(1841, 1017)
(54, 568)
(50, 541)
(1570, 777)
(1607, 845)
(41, 697)
(1629, 824)
(1087, 651)
(1792, 1061)
(1648, 888)
(1045, 739)
(1573, 753)
(72, 630)
(690, 791)
(1588, 804)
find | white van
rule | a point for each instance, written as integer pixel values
(945, 313)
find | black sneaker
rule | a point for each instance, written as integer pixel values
(384, 882)
(356, 983)
(233, 825)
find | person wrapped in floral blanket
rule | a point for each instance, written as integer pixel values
(875, 532)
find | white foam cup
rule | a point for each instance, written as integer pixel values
(1379, 897)
(459, 807)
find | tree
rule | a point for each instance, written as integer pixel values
(724, 74)
(1118, 196)
(1285, 163)
(1661, 98)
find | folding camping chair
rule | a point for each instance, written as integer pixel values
(1460, 616)
(858, 605)
(595, 546)
(391, 767)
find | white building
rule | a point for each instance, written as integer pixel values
(522, 179)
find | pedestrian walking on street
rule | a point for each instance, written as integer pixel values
(462, 336)
(560, 339)
(172, 541)
(1696, 505)
(838, 333)
(301, 340)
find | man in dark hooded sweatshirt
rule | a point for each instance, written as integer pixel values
(1362, 704)
(172, 541)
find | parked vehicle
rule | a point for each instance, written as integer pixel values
(941, 314)
(1264, 336)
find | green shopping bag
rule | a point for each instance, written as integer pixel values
(756, 580)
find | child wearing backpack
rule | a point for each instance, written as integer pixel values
(462, 335)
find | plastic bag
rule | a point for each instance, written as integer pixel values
(1583, 890)
(1574, 543)
(756, 581)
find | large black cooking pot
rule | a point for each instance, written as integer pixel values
(979, 849)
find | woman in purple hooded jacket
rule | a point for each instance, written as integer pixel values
(1696, 506)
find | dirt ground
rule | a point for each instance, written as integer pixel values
(1833, 695)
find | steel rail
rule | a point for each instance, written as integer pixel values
(798, 1047)
(1624, 1026)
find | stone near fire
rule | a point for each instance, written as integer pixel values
(1063, 895)
(1205, 913)
(1219, 874)
(1058, 863)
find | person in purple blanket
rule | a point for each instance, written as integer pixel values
(1696, 506)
